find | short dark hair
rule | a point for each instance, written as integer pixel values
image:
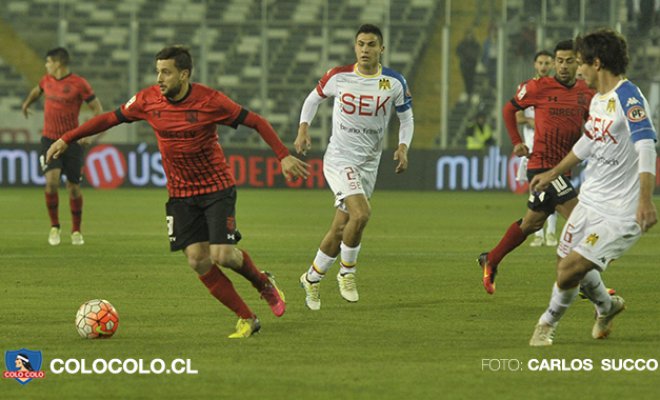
(370, 28)
(59, 54)
(180, 55)
(542, 53)
(564, 45)
(606, 45)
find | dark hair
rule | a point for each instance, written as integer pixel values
(564, 45)
(26, 364)
(542, 53)
(180, 55)
(370, 28)
(59, 54)
(606, 45)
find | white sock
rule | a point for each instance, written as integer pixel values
(539, 233)
(321, 264)
(593, 287)
(552, 223)
(348, 258)
(559, 303)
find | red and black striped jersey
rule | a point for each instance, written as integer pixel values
(193, 160)
(63, 98)
(560, 113)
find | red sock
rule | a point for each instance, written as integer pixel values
(222, 289)
(512, 238)
(52, 203)
(76, 213)
(251, 273)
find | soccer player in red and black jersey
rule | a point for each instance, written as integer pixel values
(201, 207)
(64, 93)
(561, 106)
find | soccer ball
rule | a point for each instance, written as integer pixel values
(97, 319)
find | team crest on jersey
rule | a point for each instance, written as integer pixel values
(66, 89)
(582, 99)
(636, 114)
(611, 106)
(592, 239)
(191, 116)
(384, 84)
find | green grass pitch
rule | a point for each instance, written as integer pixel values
(421, 330)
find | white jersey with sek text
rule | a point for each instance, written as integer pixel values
(617, 120)
(363, 106)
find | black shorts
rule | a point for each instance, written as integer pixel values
(558, 192)
(71, 162)
(205, 218)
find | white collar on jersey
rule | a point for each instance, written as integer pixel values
(357, 71)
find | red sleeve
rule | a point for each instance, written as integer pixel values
(509, 114)
(95, 125)
(258, 123)
(526, 94)
(132, 110)
(86, 91)
(42, 82)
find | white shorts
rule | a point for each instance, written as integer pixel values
(347, 180)
(598, 238)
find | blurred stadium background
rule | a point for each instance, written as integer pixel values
(268, 54)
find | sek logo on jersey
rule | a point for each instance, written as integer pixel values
(600, 131)
(364, 105)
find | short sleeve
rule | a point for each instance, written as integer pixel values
(526, 94)
(86, 91)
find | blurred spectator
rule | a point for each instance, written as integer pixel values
(489, 56)
(481, 133)
(468, 51)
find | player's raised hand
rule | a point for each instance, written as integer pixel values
(293, 168)
(56, 150)
(401, 155)
(303, 142)
(521, 150)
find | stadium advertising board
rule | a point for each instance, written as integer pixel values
(112, 166)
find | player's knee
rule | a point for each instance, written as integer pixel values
(361, 217)
(568, 276)
(199, 261)
(226, 257)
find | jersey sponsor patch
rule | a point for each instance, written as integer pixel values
(131, 101)
(636, 114)
(522, 92)
(632, 101)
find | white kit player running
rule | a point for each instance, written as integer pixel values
(543, 61)
(615, 202)
(366, 94)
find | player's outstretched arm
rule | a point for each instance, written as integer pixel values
(401, 155)
(95, 125)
